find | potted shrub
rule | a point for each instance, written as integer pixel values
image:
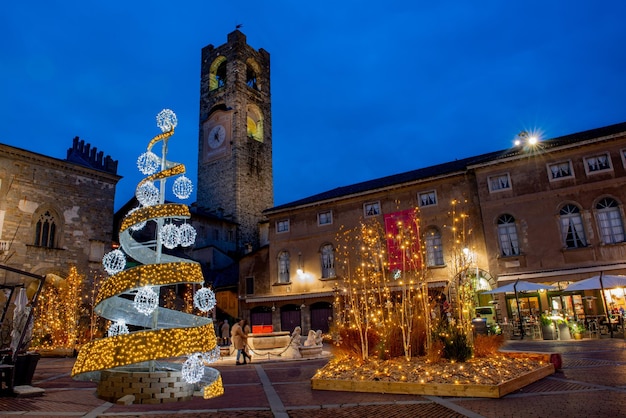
(547, 328)
(564, 333)
(576, 329)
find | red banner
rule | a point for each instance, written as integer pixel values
(403, 243)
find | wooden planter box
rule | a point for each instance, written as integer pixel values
(434, 389)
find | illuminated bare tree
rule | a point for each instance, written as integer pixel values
(384, 287)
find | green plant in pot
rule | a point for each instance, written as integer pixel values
(577, 329)
(548, 330)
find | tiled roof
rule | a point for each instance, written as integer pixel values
(448, 168)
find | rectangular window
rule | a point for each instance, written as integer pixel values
(325, 218)
(499, 183)
(371, 209)
(427, 198)
(560, 170)
(282, 226)
(597, 163)
(249, 285)
(216, 235)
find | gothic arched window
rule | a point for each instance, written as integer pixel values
(46, 230)
(610, 221)
(572, 230)
(507, 234)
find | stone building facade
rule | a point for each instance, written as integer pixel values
(55, 213)
(550, 213)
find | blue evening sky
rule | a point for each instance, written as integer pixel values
(360, 89)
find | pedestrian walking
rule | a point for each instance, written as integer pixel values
(239, 341)
(225, 330)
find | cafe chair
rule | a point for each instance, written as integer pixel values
(592, 329)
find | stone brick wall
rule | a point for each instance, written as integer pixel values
(80, 200)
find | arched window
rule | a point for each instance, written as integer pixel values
(283, 267)
(572, 231)
(434, 248)
(327, 254)
(46, 230)
(252, 72)
(251, 78)
(217, 73)
(507, 234)
(610, 221)
(254, 123)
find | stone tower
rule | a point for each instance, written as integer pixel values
(235, 138)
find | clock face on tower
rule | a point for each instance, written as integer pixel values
(216, 137)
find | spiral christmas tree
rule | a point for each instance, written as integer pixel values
(130, 296)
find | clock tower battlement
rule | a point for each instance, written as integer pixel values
(235, 135)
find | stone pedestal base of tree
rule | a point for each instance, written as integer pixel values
(143, 387)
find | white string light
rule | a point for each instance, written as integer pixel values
(114, 262)
(117, 328)
(204, 299)
(187, 235)
(182, 187)
(170, 236)
(166, 120)
(193, 368)
(146, 300)
(147, 194)
(148, 163)
(212, 356)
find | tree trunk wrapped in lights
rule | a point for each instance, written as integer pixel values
(131, 296)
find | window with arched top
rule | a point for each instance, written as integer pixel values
(507, 236)
(217, 73)
(251, 78)
(283, 267)
(252, 72)
(434, 247)
(572, 230)
(610, 223)
(327, 254)
(46, 230)
(254, 123)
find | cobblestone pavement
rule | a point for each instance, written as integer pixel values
(592, 382)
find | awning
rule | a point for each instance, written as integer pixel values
(436, 285)
(553, 275)
(290, 296)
